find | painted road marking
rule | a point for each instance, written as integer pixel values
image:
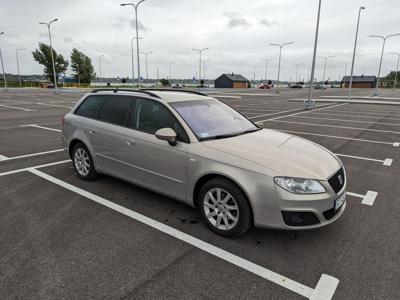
(36, 167)
(367, 199)
(354, 116)
(353, 121)
(19, 108)
(225, 96)
(387, 162)
(69, 107)
(29, 155)
(303, 112)
(335, 126)
(396, 144)
(2, 157)
(279, 112)
(325, 288)
(41, 127)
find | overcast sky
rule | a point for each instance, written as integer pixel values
(238, 34)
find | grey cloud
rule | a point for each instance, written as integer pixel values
(141, 26)
(235, 21)
(268, 23)
(68, 40)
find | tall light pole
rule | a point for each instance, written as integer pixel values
(51, 50)
(137, 34)
(297, 70)
(170, 72)
(101, 78)
(384, 38)
(397, 68)
(325, 59)
(200, 51)
(146, 54)
(354, 54)
(19, 74)
(346, 63)
(133, 67)
(2, 66)
(279, 64)
(266, 60)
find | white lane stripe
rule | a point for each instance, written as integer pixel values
(326, 282)
(249, 94)
(356, 111)
(326, 106)
(367, 199)
(341, 137)
(335, 126)
(30, 155)
(279, 112)
(36, 167)
(14, 107)
(369, 159)
(2, 157)
(228, 97)
(41, 127)
(347, 120)
(69, 107)
(353, 116)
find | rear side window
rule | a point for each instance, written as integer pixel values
(115, 110)
(89, 106)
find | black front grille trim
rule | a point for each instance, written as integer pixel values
(335, 182)
(299, 218)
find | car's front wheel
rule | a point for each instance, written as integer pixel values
(224, 207)
(83, 163)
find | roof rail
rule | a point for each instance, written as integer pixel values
(116, 90)
(176, 90)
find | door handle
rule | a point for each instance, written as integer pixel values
(91, 131)
(130, 142)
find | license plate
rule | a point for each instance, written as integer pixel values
(339, 201)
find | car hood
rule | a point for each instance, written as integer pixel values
(283, 153)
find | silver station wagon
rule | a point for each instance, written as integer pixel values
(200, 151)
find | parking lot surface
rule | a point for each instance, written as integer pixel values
(65, 238)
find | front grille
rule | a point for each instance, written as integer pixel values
(300, 218)
(335, 181)
(330, 213)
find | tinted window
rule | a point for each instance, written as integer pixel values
(89, 106)
(115, 110)
(152, 115)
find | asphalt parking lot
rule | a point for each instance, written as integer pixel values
(65, 238)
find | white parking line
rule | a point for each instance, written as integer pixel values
(353, 116)
(326, 106)
(36, 167)
(382, 114)
(29, 155)
(367, 199)
(395, 144)
(225, 96)
(41, 127)
(334, 126)
(387, 162)
(19, 108)
(279, 112)
(347, 120)
(325, 288)
(69, 107)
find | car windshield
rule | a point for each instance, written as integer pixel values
(211, 119)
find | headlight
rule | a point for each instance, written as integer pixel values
(300, 185)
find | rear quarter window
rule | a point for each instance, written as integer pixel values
(89, 106)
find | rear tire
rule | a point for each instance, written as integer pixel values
(224, 207)
(83, 163)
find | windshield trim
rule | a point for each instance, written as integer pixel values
(201, 139)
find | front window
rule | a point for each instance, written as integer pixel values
(211, 119)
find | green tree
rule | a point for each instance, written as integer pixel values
(164, 82)
(82, 67)
(43, 57)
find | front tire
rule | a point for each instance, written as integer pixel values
(83, 163)
(224, 207)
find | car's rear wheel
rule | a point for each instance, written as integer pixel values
(224, 207)
(83, 163)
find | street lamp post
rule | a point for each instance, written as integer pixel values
(384, 38)
(279, 64)
(169, 69)
(397, 68)
(137, 34)
(325, 58)
(297, 71)
(146, 54)
(133, 67)
(354, 54)
(200, 52)
(2, 66)
(101, 78)
(19, 74)
(51, 50)
(345, 67)
(266, 60)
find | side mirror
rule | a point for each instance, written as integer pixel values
(166, 134)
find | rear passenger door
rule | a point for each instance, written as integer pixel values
(107, 134)
(155, 163)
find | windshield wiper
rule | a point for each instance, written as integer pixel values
(228, 135)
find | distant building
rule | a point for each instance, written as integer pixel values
(360, 81)
(235, 81)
